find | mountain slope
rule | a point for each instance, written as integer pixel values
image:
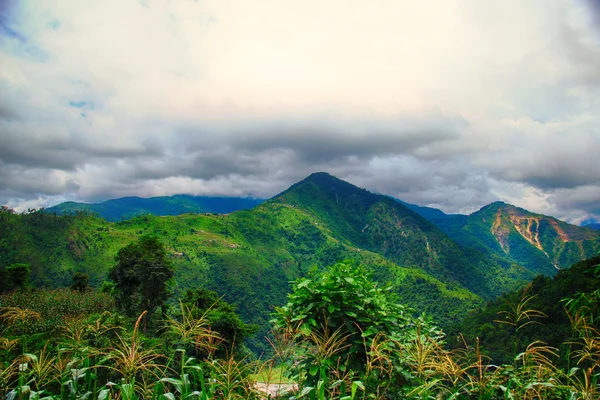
(127, 207)
(540, 243)
(380, 224)
(248, 256)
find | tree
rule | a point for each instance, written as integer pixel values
(222, 318)
(18, 275)
(80, 282)
(341, 316)
(142, 276)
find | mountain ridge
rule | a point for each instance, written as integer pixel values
(541, 243)
(131, 206)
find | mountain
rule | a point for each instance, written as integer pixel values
(250, 256)
(382, 225)
(127, 207)
(540, 243)
(591, 223)
(429, 213)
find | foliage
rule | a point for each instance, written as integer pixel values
(543, 296)
(141, 276)
(17, 275)
(100, 355)
(223, 320)
(251, 256)
(80, 281)
(95, 356)
(340, 316)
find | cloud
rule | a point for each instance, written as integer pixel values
(452, 105)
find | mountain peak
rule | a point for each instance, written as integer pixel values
(504, 207)
(325, 183)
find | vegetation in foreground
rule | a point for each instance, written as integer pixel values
(340, 336)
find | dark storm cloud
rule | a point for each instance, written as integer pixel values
(54, 146)
(32, 181)
(319, 142)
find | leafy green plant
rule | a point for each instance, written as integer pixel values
(343, 322)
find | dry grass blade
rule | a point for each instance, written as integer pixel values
(519, 315)
(7, 374)
(232, 377)
(539, 354)
(283, 342)
(16, 315)
(74, 330)
(7, 344)
(193, 329)
(42, 367)
(327, 345)
(131, 359)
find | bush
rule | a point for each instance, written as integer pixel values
(342, 318)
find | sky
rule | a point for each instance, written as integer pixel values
(450, 103)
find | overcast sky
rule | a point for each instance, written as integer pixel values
(449, 103)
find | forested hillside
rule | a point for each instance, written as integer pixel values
(128, 207)
(540, 243)
(251, 256)
(535, 312)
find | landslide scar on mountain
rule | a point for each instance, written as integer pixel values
(562, 234)
(528, 227)
(500, 232)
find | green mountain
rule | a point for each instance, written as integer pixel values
(127, 207)
(250, 256)
(429, 213)
(540, 243)
(382, 225)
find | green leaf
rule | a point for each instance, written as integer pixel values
(103, 394)
(305, 329)
(304, 283)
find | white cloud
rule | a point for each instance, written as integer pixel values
(478, 100)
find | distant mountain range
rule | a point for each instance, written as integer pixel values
(128, 207)
(442, 264)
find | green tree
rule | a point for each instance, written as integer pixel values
(142, 276)
(18, 275)
(80, 282)
(222, 318)
(341, 316)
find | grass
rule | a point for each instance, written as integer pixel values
(96, 356)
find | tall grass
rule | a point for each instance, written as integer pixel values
(99, 355)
